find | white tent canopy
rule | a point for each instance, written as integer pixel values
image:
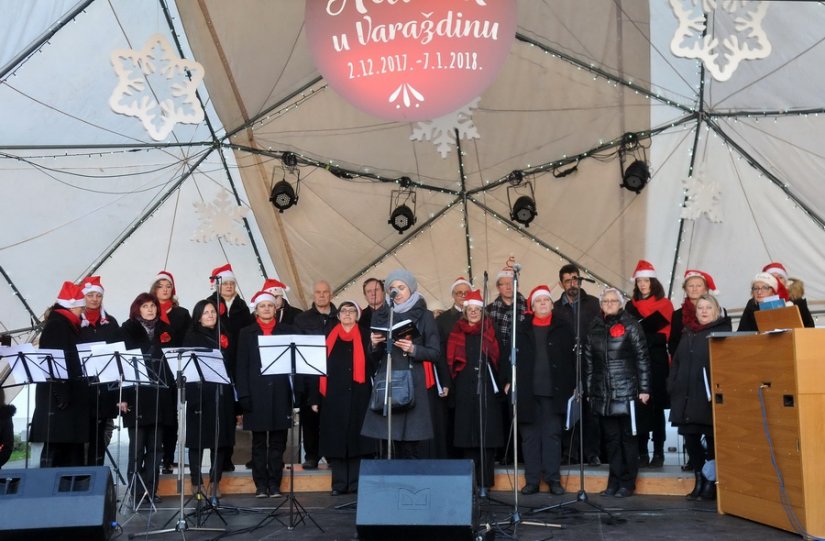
(86, 190)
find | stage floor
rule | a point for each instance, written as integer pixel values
(638, 517)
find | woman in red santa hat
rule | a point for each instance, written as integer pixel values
(179, 321)
(61, 410)
(284, 312)
(232, 309)
(149, 410)
(343, 399)
(696, 283)
(654, 311)
(473, 350)
(171, 312)
(794, 291)
(98, 326)
(266, 400)
(763, 286)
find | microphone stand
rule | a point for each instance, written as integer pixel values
(388, 385)
(581, 496)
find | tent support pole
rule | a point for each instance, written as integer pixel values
(43, 38)
(463, 195)
(19, 295)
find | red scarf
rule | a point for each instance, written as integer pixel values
(689, 316)
(92, 316)
(457, 344)
(267, 328)
(542, 321)
(359, 365)
(648, 306)
(73, 319)
(165, 307)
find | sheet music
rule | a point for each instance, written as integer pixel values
(134, 369)
(211, 364)
(572, 412)
(310, 359)
(8, 357)
(707, 383)
(52, 362)
(98, 355)
(633, 416)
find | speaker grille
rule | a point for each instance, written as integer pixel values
(74, 483)
(9, 485)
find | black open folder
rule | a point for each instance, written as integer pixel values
(654, 323)
(402, 329)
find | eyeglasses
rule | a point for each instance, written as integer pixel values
(610, 301)
(460, 293)
(761, 289)
(350, 311)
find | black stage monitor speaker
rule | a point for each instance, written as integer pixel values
(57, 503)
(416, 499)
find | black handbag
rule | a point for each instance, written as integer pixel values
(403, 390)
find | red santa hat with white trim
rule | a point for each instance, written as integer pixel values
(71, 296)
(166, 275)
(537, 292)
(711, 285)
(644, 269)
(776, 268)
(458, 281)
(271, 285)
(223, 272)
(261, 296)
(778, 287)
(91, 283)
(474, 298)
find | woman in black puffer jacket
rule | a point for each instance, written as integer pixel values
(617, 372)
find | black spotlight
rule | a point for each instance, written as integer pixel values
(524, 211)
(636, 176)
(283, 196)
(402, 215)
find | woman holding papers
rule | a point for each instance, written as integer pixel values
(617, 372)
(653, 310)
(413, 351)
(764, 287)
(148, 408)
(344, 398)
(546, 379)
(266, 400)
(61, 409)
(690, 391)
(473, 352)
(209, 405)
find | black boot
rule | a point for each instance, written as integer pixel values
(697, 489)
(658, 460)
(708, 493)
(644, 460)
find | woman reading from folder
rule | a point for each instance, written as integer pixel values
(617, 372)
(690, 391)
(414, 424)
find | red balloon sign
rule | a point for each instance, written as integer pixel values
(410, 60)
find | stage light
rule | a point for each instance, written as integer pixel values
(523, 211)
(402, 216)
(283, 196)
(636, 176)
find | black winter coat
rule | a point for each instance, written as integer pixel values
(207, 402)
(659, 361)
(689, 402)
(233, 318)
(560, 353)
(102, 396)
(61, 409)
(150, 404)
(179, 323)
(616, 364)
(268, 399)
(345, 404)
(590, 311)
(6, 433)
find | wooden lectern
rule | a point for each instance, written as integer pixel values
(790, 368)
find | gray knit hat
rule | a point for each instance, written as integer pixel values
(403, 275)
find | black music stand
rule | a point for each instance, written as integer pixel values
(292, 355)
(28, 365)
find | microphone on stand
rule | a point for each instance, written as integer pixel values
(393, 293)
(517, 267)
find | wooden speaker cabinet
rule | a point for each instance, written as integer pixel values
(790, 368)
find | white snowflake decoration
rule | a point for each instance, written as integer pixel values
(747, 41)
(156, 86)
(703, 196)
(442, 130)
(220, 219)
